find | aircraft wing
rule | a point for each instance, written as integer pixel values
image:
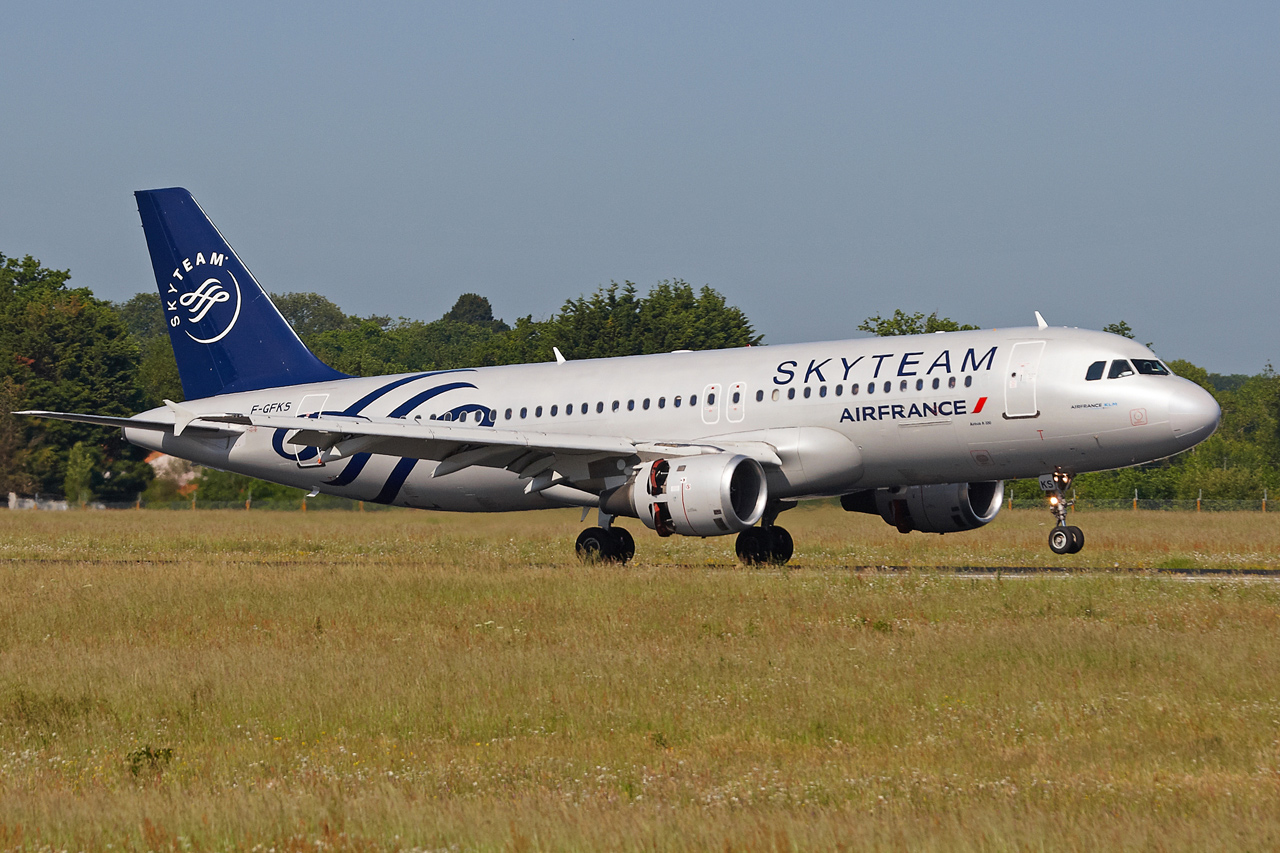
(545, 458)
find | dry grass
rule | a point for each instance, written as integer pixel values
(207, 680)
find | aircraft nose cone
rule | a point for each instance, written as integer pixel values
(1193, 414)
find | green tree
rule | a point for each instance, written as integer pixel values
(143, 316)
(311, 314)
(63, 349)
(902, 323)
(1121, 328)
(83, 462)
(474, 309)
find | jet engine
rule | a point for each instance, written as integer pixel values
(943, 508)
(709, 495)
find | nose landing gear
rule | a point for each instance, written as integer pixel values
(1064, 538)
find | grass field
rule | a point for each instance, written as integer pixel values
(395, 680)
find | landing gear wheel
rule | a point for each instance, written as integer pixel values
(595, 544)
(752, 546)
(1061, 540)
(624, 547)
(757, 545)
(1077, 539)
(780, 545)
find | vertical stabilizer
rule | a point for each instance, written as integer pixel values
(227, 335)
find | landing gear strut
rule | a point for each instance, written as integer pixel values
(1064, 538)
(767, 543)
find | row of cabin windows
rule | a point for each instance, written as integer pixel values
(615, 406)
(677, 401)
(855, 388)
(1121, 367)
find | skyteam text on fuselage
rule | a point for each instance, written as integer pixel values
(922, 430)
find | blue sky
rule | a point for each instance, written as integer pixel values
(817, 165)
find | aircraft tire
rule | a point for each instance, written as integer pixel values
(781, 546)
(752, 546)
(595, 545)
(624, 546)
(1061, 540)
(1077, 539)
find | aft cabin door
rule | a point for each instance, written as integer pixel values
(309, 407)
(1020, 380)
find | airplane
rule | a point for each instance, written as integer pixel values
(921, 430)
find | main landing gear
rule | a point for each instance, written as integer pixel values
(1064, 538)
(605, 545)
(767, 543)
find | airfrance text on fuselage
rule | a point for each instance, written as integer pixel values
(906, 365)
(906, 411)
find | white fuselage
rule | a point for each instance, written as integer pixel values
(844, 415)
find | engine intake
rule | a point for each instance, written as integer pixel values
(711, 495)
(943, 508)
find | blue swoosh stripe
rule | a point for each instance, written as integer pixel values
(358, 406)
(418, 399)
(398, 475)
(348, 474)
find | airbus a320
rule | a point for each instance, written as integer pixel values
(921, 430)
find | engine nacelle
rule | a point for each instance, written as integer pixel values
(711, 495)
(944, 508)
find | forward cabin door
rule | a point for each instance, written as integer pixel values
(1020, 380)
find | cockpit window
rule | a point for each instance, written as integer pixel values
(1119, 368)
(1095, 371)
(1150, 367)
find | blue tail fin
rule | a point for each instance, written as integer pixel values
(227, 336)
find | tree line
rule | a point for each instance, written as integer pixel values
(62, 348)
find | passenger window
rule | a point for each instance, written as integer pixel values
(662, 402)
(645, 404)
(568, 410)
(1095, 371)
(508, 417)
(822, 391)
(791, 393)
(615, 405)
(1150, 367)
(554, 409)
(585, 407)
(853, 390)
(693, 399)
(968, 381)
(676, 401)
(951, 382)
(775, 395)
(524, 411)
(631, 405)
(903, 386)
(537, 413)
(839, 390)
(935, 383)
(760, 396)
(462, 418)
(711, 399)
(807, 392)
(737, 397)
(1119, 368)
(871, 388)
(888, 386)
(919, 384)
(600, 407)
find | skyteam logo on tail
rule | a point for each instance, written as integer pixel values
(203, 298)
